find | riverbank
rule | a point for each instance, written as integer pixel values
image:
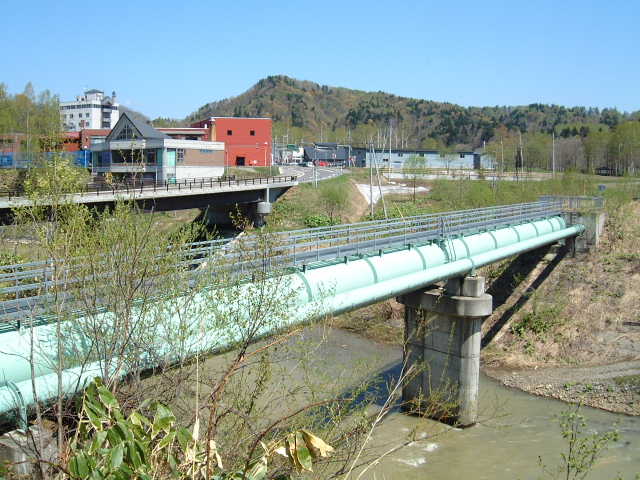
(614, 388)
(571, 327)
(563, 327)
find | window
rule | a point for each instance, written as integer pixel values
(179, 155)
(399, 154)
(462, 155)
(126, 133)
(229, 132)
(151, 156)
(252, 133)
(71, 115)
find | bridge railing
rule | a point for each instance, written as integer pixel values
(185, 184)
(29, 282)
(303, 247)
(573, 203)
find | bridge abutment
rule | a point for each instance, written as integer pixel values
(442, 339)
(593, 222)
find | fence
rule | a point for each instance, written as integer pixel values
(575, 203)
(153, 186)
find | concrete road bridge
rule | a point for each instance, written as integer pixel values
(329, 271)
(217, 196)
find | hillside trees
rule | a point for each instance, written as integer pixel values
(29, 113)
(308, 105)
(624, 146)
(596, 148)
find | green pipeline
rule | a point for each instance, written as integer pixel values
(327, 290)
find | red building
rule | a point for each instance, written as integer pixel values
(84, 139)
(247, 140)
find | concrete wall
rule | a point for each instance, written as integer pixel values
(203, 158)
(186, 171)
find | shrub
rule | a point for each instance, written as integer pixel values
(539, 321)
(319, 220)
(110, 445)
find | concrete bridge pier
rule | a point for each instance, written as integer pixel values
(442, 339)
(256, 211)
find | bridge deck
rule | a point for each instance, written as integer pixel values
(105, 193)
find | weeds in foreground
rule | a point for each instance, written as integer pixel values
(583, 447)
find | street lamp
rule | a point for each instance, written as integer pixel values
(315, 167)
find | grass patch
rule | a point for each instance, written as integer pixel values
(448, 195)
(305, 206)
(631, 380)
(540, 321)
(253, 172)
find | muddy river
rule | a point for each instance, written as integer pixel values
(515, 428)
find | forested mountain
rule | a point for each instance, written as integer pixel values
(309, 111)
(585, 138)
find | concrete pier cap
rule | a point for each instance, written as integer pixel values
(442, 343)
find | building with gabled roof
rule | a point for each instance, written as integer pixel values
(134, 149)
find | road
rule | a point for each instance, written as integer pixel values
(305, 174)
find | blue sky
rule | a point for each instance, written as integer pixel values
(168, 58)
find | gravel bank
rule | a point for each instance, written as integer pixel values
(615, 388)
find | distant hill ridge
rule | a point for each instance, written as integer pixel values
(317, 111)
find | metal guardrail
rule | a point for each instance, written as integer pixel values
(30, 283)
(570, 203)
(184, 184)
(464, 172)
(308, 246)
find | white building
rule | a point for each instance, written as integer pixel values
(91, 110)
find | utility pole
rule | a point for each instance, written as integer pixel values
(553, 153)
(371, 179)
(315, 167)
(389, 150)
(501, 156)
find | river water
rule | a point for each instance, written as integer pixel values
(515, 429)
